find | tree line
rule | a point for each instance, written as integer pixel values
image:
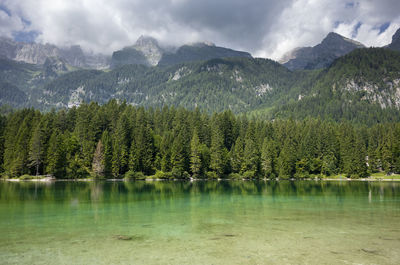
(120, 140)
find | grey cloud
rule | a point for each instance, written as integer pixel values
(266, 28)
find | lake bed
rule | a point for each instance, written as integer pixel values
(201, 222)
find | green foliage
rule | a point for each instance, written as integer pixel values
(347, 90)
(162, 175)
(359, 87)
(176, 143)
(130, 174)
(195, 155)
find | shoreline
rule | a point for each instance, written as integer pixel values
(50, 179)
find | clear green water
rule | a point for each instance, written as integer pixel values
(227, 222)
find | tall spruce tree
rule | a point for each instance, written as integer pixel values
(107, 147)
(195, 155)
(36, 148)
(98, 164)
(56, 155)
(218, 152)
(237, 155)
(120, 147)
(269, 154)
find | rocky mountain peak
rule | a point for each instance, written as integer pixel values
(395, 45)
(322, 55)
(396, 36)
(150, 49)
(332, 36)
(145, 51)
(334, 39)
(37, 53)
(202, 44)
(146, 41)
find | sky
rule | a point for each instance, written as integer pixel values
(265, 28)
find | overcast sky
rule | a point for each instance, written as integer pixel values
(266, 28)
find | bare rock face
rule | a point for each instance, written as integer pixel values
(36, 53)
(395, 45)
(149, 47)
(145, 51)
(321, 55)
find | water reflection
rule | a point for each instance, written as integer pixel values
(93, 192)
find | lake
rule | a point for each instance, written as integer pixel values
(201, 222)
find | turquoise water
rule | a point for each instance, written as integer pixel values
(226, 222)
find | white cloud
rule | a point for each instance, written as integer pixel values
(9, 24)
(307, 22)
(266, 28)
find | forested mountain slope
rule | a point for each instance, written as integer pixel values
(200, 52)
(238, 84)
(363, 86)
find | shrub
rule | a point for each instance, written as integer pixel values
(134, 175)
(179, 174)
(162, 175)
(26, 177)
(211, 175)
(235, 176)
(249, 174)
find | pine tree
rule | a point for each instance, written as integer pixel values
(178, 155)
(107, 147)
(56, 156)
(98, 165)
(120, 147)
(134, 163)
(269, 155)
(287, 160)
(218, 152)
(20, 162)
(237, 155)
(195, 155)
(2, 128)
(251, 157)
(36, 148)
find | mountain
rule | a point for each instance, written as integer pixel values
(145, 51)
(238, 84)
(11, 95)
(322, 55)
(199, 52)
(36, 53)
(362, 86)
(21, 84)
(395, 45)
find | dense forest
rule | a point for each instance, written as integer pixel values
(361, 87)
(119, 140)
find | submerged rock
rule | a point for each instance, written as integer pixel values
(122, 237)
(128, 238)
(370, 251)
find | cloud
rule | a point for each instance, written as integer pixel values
(9, 23)
(266, 28)
(307, 22)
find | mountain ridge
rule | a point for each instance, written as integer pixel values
(37, 53)
(363, 85)
(321, 55)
